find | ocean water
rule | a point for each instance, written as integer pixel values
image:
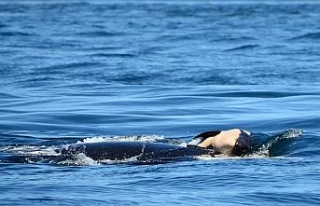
(88, 71)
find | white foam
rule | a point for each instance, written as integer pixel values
(127, 160)
(255, 155)
(32, 150)
(195, 142)
(78, 160)
(183, 144)
(147, 138)
(216, 157)
(260, 154)
(6, 148)
(93, 140)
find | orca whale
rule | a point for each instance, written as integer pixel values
(143, 151)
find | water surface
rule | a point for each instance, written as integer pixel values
(86, 70)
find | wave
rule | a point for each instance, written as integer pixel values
(265, 94)
(233, 39)
(100, 34)
(113, 55)
(15, 34)
(60, 68)
(3, 25)
(243, 47)
(8, 96)
(307, 36)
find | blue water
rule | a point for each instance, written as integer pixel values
(90, 70)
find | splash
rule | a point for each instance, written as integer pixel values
(276, 144)
(291, 133)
